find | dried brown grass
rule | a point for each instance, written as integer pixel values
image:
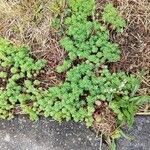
(27, 21)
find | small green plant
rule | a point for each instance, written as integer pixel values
(110, 15)
(57, 6)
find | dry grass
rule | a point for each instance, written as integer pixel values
(25, 21)
(135, 12)
(28, 21)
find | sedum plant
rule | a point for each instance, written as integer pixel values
(87, 42)
(76, 97)
(87, 83)
(19, 75)
(87, 39)
(110, 15)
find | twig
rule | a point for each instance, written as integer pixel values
(143, 114)
(100, 145)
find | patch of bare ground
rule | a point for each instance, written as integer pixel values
(54, 55)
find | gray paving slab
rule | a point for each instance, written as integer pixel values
(22, 134)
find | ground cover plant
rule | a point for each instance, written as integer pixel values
(91, 91)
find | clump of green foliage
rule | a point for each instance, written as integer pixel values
(20, 73)
(110, 15)
(86, 42)
(87, 39)
(75, 98)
